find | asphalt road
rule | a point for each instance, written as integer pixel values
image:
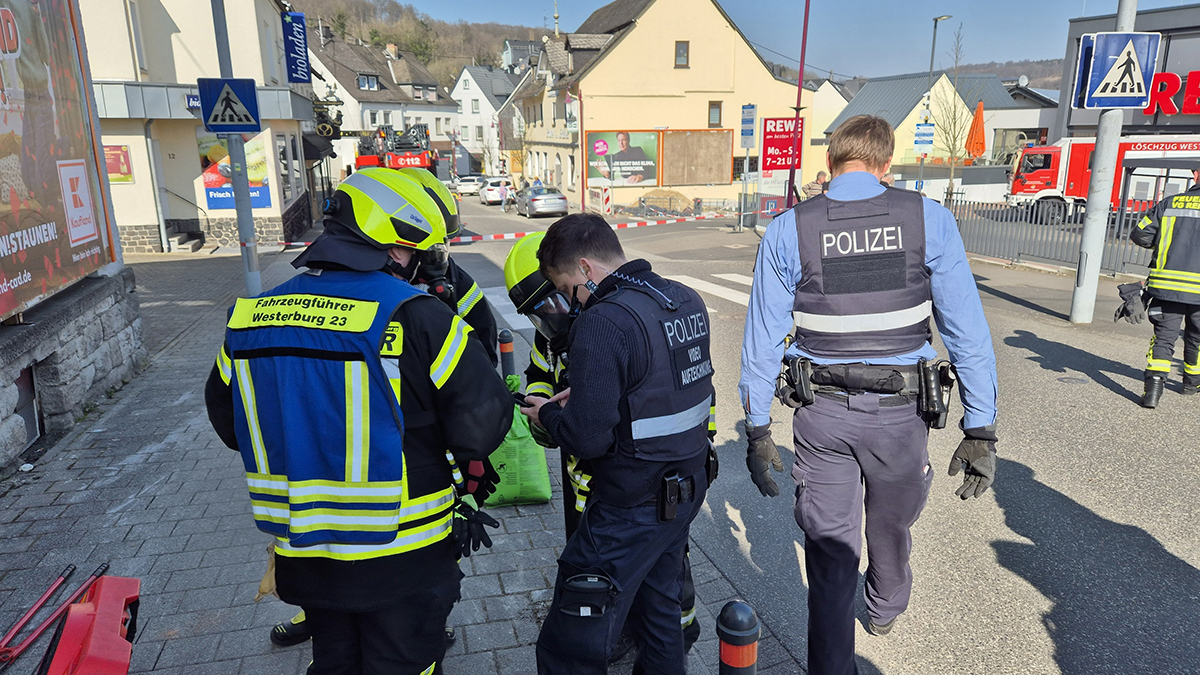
(1084, 557)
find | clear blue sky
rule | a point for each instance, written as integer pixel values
(888, 36)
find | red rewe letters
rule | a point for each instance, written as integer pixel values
(1162, 92)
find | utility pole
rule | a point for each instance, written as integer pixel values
(1095, 222)
(237, 164)
(929, 93)
(791, 184)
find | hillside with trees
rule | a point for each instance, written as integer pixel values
(442, 46)
(1045, 74)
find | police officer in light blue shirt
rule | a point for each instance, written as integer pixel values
(844, 289)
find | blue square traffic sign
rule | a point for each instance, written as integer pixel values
(229, 105)
(1121, 71)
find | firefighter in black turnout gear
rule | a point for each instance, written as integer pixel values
(639, 408)
(1172, 291)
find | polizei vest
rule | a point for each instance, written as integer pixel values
(665, 416)
(865, 289)
(318, 425)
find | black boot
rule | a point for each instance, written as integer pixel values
(1191, 384)
(1154, 390)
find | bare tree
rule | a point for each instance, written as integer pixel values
(951, 116)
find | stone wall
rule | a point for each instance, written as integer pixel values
(82, 343)
(140, 238)
(222, 230)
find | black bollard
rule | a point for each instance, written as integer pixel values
(506, 353)
(738, 630)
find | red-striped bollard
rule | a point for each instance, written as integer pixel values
(737, 628)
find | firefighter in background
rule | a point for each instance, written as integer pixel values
(548, 309)
(444, 279)
(1172, 292)
(345, 389)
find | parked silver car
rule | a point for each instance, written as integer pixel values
(468, 185)
(540, 201)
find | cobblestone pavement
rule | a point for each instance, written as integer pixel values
(145, 484)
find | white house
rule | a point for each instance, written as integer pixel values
(480, 93)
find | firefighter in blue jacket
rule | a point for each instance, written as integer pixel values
(347, 391)
(855, 275)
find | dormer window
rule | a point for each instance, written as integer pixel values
(368, 83)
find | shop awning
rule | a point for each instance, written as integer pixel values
(317, 147)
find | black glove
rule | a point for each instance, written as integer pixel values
(542, 437)
(976, 457)
(761, 453)
(467, 528)
(1134, 308)
(481, 479)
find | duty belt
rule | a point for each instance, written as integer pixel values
(855, 378)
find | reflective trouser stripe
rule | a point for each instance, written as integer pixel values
(452, 349)
(655, 427)
(1159, 365)
(864, 323)
(429, 670)
(467, 302)
(1191, 369)
(687, 617)
(250, 407)
(406, 540)
(358, 431)
(224, 366)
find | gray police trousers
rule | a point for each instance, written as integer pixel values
(843, 450)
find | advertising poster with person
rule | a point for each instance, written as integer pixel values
(618, 158)
(52, 224)
(218, 177)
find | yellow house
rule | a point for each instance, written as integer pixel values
(164, 169)
(644, 100)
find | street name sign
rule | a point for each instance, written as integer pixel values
(229, 105)
(749, 121)
(1121, 70)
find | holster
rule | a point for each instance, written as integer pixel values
(937, 381)
(712, 464)
(793, 386)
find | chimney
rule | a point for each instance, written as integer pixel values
(393, 50)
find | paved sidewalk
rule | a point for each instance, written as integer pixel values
(145, 484)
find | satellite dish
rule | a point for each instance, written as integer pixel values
(1023, 81)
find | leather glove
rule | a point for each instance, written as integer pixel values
(976, 458)
(481, 479)
(761, 453)
(467, 527)
(1133, 309)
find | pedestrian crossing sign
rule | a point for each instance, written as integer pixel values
(229, 105)
(1121, 70)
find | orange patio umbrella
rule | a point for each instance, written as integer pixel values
(976, 144)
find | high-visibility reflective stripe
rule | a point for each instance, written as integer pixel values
(538, 360)
(712, 418)
(1158, 365)
(406, 540)
(264, 484)
(1181, 286)
(358, 431)
(454, 470)
(864, 323)
(429, 670)
(467, 302)
(391, 368)
(224, 366)
(1146, 220)
(1175, 274)
(341, 491)
(687, 617)
(388, 199)
(654, 427)
(1164, 243)
(541, 388)
(250, 408)
(447, 359)
(269, 511)
(1181, 213)
(1191, 369)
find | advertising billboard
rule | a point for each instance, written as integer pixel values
(622, 158)
(118, 164)
(52, 222)
(217, 175)
(778, 142)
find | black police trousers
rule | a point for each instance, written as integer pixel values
(853, 454)
(1166, 316)
(406, 639)
(644, 559)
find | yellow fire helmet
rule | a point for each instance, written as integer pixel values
(522, 275)
(391, 209)
(444, 198)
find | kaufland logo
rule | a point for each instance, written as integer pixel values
(77, 201)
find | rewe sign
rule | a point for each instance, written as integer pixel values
(778, 142)
(1166, 86)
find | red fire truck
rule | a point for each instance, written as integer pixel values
(1057, 176)
(389, 148)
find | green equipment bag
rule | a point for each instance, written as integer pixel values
(521, 462)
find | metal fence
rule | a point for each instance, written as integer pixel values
(1047, 231)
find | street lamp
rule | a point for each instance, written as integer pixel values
(929, 92)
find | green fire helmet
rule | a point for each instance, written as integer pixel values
(445, 200)
(522, 275)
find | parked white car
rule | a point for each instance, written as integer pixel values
(490, 192)
(468, 185)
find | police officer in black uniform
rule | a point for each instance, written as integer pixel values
(1172, 230)
(639, 407)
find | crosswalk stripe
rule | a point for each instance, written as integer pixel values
(702, 286)
(498, 298)
(736, 278)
